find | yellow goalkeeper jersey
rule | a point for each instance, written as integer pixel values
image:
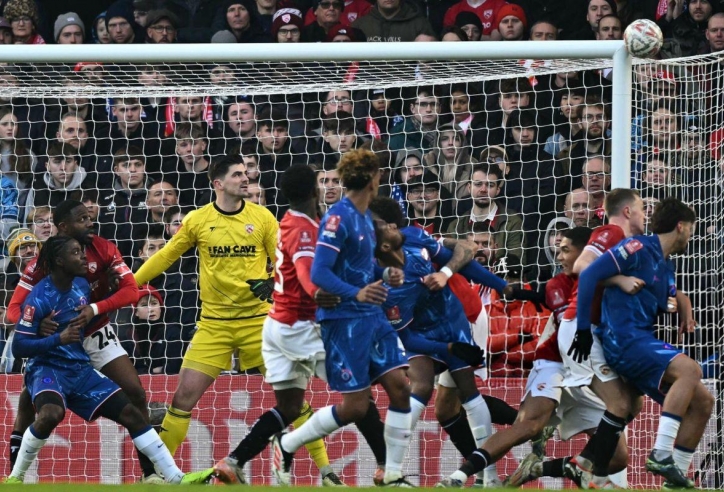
(233, 248)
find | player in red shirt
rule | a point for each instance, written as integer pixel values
(105, 265)
(291, 345)
(544, 401)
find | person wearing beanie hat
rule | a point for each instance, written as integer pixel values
(341, 33)
(162, 27)
(485, 11)
(470, 23)
(99, 33)
(23, 246)
(23, 18)
(287, 26)
(511, 22)
(241, 19)
(121, 24)
(6, 31)
(223, 37)
(326, 16)
(69, 29)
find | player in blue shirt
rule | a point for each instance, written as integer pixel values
(630, 347)
(59, 375)
(360, 344)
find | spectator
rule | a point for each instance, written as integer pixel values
(592, 140)
(241, 20)
(265, 10)
(345, 34)
(161, 196)
(430, 206)
(609, 28)
(149, 245)
(506, 225)
(327, 14)
(484, 239)
(460, 106)
(64, 179)
(90, 200)
(9, 209)
(489, 127)
(251, 161)
(658, 178)
(485, 11)
(566, 13)
(187, 171)
(6, 32)
(155, 343)
(597, 9)
(141, 9)
(172, 218)
(330, 187)
(275, 157)
(663, 128)
(453, 33)
(17, 162)
(122, 27)
(23, 18)
(287, 26)
(515, 326)
(40, 222)
(419, 130)
(100, 30)
(239, 117)
(578, 207)
(470, 23)
(332, 103)
(543, 30)
(408, 164)
(123, 214)
(450, 159)
(382, 116)
(566, 119)
(161, 27)
(69, 29)
(686, 35)
(597, 182)
(339, 137)
(394, 21)
(22, 246)
(511, 23)
(714, 33)
(256, 194)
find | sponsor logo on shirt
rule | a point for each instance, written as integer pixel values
(235, 251)
(488, 14)
(332, 223)
(249, 228)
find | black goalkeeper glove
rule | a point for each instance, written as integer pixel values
(581, 345)
(470, 354)
(262, 288)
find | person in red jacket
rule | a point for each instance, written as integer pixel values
(515, 326)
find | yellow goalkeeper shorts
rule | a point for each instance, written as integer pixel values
(215, 341)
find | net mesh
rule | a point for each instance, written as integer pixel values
(545, 124)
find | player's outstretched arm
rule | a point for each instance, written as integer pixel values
(473, 271)
(181, 242)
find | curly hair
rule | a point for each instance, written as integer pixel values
(52, 250)
(357, 168)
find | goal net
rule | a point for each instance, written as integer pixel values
(507, 153)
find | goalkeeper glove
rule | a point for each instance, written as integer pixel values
(581, 345)
(468, 353)
(262, 288)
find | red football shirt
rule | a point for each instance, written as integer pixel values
(602, 239)
(486, 12)
(102, 256)
(558, 291)
(293, 288)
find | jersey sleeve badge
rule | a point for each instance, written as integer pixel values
(332, 223)
(393, 315)
(28, 314)
(633, 246)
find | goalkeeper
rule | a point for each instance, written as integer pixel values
(235, 239)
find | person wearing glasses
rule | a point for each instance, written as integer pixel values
(162, 27)
(419, 130)
(287, 26)
(597, 181)
(23, 18)
(593, 139)
(429, 204)
(326, 15)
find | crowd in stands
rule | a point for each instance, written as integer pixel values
(506, 163)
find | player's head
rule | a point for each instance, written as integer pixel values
(228, 176)
(63, 254)
(299, 186)
(359, 170)
(627, 204)
(672, 216)
(572, 244)
(389, 238)
(388, 210)
(72, 219)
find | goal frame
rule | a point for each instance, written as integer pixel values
(340, 52)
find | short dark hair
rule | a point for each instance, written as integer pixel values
(520, 85)
(64, 211)
(617, 199)
(340, 122)
(170, 212)
(57, 148)
(578, 236)
(668, 213)
(522, 119)
(219, 167)
(272, 118)
(388, 210)
(130, 153)
(488, 169)
(298, 183)
(462, 35)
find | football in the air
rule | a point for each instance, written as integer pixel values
(643, 38)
